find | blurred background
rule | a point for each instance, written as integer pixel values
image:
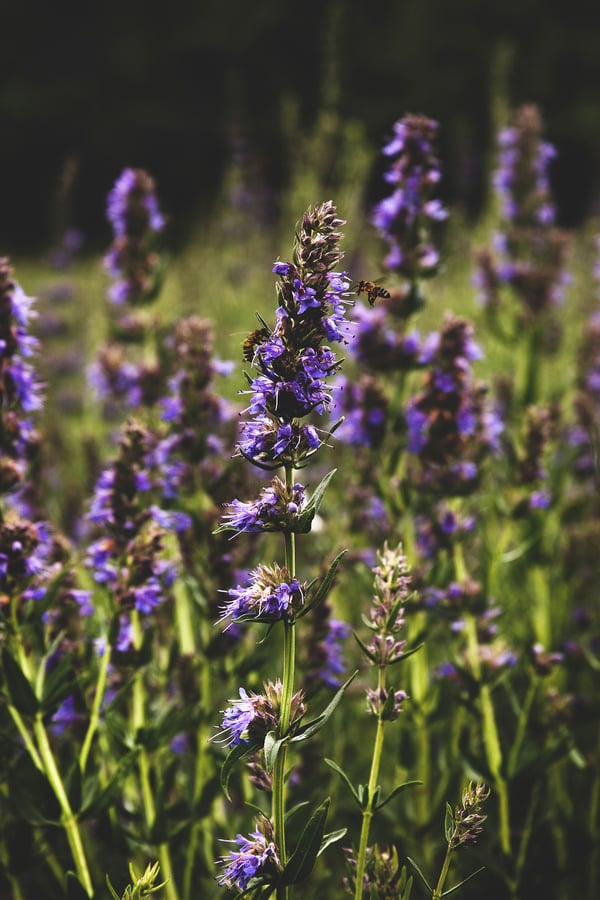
(183, 88)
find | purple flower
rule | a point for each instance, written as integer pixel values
(276, 509)
(404, 219)
(237, 719)
(256, 856)
(132, 210)
(270, 594)
(332, 648)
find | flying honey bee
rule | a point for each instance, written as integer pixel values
(372, 290)
(256, 337)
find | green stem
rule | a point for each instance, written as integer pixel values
(29, 744)
(203, 772)
(439, 888)
(43, 758)
(68, 818)
(521, 728)
(287, 692)
(491, 740)
(138, 714)
(95, 713)
(369, 811)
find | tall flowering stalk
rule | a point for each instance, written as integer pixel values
(30, 563)
(129, 560)
(384, 650)
(136, 269)
(293, 363)
(20, 388)
(462, 826)
(406, 218)
(529, 256)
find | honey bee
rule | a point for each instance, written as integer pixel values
(256, 337)
(372, 290)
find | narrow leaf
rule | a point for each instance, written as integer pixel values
(20, 691)
(333, 765)
(448, 823)
(302, 860)
(420, 874)
(332, 838)
(111, 889)
(364, 648)
(95, 799)
(405, 655)
(315, 725)
(312, 507)
(57, 686)
(237, 753)
(75, 890)
(464, 881)
(397, 790)
(272, 746)
(325, 586)
(291, 813)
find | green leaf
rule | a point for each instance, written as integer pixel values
(111, 889)
(455, 887)
(388, 711)
(397, 790)
(364, 648)
(420, 874)
(272, 746)
(96, 799)
(302, 860)
(114, 630)
(73, 785)
(21, 693)
(448, 823)
(306, 731)
(333, 765)
(405, 655)
(325, 585)
(237, 753)
(58, 686)
(31, 796)
(312, 507)
(75, 889)
(291, 813)
(332, 838)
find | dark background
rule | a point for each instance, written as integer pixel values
(87, 89)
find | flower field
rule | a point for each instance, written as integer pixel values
(299, 531)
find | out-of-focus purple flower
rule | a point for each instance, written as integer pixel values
(405, 218)
(65, 716)
(450, 425)
(529, 255)
(20, 388)
(132, 210)
(128, 556)
(332, 647)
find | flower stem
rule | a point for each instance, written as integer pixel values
(439, 888)
(69, 820)
(289, 667)
(43, 758)
(369, 810)
(491, 740)
(95, 713)
(138, 715)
